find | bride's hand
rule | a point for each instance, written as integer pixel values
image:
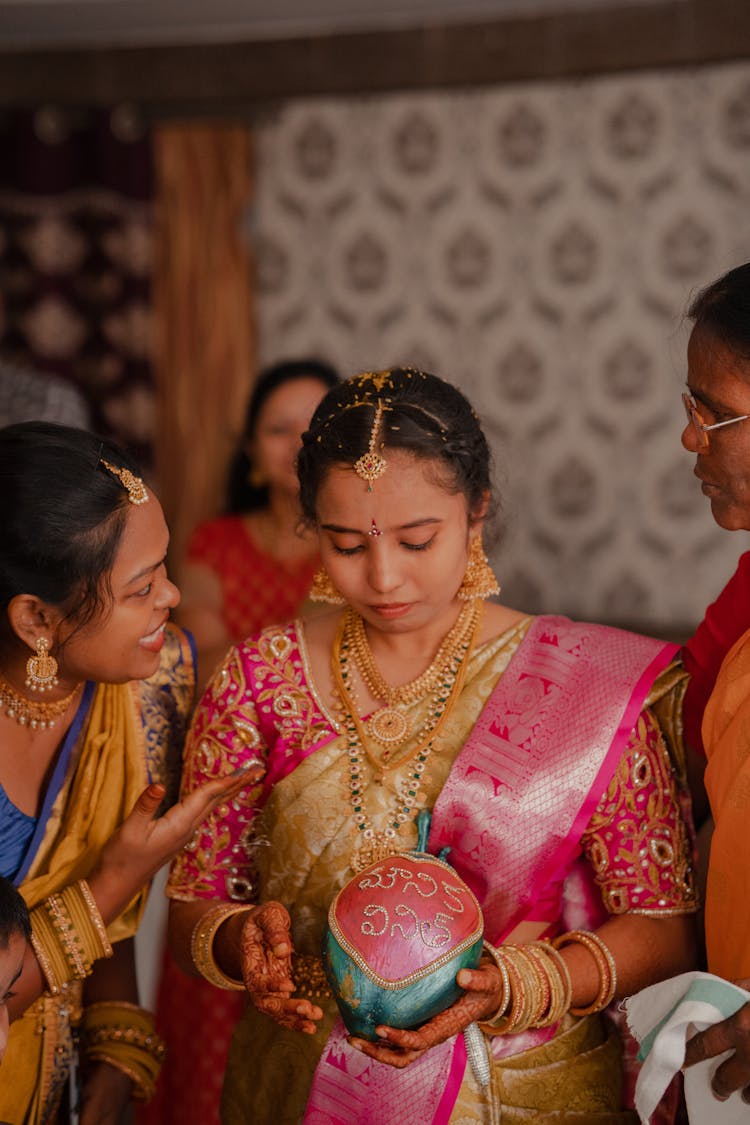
(266, 957)
(144, 842)
(484, 991)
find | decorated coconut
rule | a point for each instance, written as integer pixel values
(398, 933)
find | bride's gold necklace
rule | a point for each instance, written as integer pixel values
(33, 713)
(373, 845)
(389, 725)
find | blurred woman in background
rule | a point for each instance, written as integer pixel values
(252, 565)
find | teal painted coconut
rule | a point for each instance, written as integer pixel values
(398, 933)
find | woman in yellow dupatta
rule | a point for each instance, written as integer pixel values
(95, 690)
(369, 714)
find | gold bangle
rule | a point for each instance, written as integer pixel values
(91, 921)
(532, 990)
(49, 946)
(122, 1034)
(68, 935)
(552, 988)
(541, 989)
(53, 982)
(560, 983)
(516, 1015)
(490, 1025)
(605, 963)
(202, 942)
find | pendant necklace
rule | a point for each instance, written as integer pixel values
(373, 845)
(389, 725)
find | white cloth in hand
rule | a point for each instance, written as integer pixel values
(662, 1018)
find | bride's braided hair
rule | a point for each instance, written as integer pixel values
(422, 414)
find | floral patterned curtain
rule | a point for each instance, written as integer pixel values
(75, 259)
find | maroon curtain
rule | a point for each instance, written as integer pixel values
(75, 259)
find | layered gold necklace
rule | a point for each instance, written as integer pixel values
(33, 713)
(442, 680)
(389, 725)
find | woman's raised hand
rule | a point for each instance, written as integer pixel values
(266, 958)
(144, 842)
(481, 999)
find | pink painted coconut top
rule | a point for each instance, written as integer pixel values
(404, 916)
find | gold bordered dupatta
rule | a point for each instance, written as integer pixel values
(106, 775)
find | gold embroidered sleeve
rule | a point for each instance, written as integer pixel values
(637, 841)
(218, 862)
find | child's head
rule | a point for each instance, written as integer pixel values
(15, 929)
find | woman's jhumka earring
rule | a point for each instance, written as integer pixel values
(323, 589)
(479, 581)
(41, 669)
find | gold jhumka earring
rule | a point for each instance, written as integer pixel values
(41, 669)
(479, 581)
(323, 589)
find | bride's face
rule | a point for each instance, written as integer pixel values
(398, 553)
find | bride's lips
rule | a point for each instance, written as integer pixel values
(393, 609)
(154, 641)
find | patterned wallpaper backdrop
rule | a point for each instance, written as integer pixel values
(538, 244)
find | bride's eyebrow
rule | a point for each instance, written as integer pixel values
(342, 530)
(427, 521)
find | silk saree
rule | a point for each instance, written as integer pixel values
(292, 837)
(726, 736)
(123, 737)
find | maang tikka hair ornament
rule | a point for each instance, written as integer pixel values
(371, 465)
(132, 484)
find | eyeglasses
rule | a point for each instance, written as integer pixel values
(700, 428)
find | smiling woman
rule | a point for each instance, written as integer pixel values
(95, 689)
(535, 748)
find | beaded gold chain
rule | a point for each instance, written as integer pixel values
(388, 725)
(31, 712)
(374, 845)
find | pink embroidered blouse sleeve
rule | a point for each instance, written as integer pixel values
(637, 842)
(259, 707)
(225, 734)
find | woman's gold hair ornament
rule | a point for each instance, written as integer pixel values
(132, 484)
(371, 465)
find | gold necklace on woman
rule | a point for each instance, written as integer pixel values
(389, 725)
(373, 845)
(31, 712)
